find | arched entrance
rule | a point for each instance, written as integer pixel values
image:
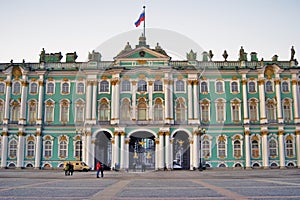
(141, 150)
(181, 149)
(103, 148)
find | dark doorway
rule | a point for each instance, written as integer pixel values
(181, 149)
(103, 148)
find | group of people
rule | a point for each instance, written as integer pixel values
(69, 169)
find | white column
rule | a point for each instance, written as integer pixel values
(92, 154)
(296, 101)
(156, 153)
(84, 149)
(263, 118)
(150, 100)
(122, 156)
(117, 100)
(281, 149)
(113, 149)
(196, 149)
(88, 100)
(7, 97)
(265, 156)
(190, 102)
(133, 100)
(41, 101)
(161, 151)
(191, 143)
(22, 119)
(167, 147)
(117, 156)
(167, 101)
(245, 101)
(196, 102)
(94, 102)
(247, 149)
(38, 150)
(298, 147)
(171, 153)
(278, 97)
(89, 149)
(4, 150)
(171, 102)
(126, 160)
(21, 150)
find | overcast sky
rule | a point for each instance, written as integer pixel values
(267, 27)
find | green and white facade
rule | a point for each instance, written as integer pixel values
(143, 107)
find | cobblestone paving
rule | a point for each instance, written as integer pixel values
(208, 184)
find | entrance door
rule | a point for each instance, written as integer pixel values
(141, 150)
(181, 149)
(103, 148)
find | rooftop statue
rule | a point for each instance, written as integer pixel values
(210, 55)
(192, 56)
(94, 56)
(292, 53)
(243, 55)
(225, 55)
(42, 55)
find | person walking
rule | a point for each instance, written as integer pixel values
(99, 169)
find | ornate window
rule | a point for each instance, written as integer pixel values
(269, 86)
(104, 86)
(48, 149)
(49, 107)
(222, 147)
(179, 86)
(180, 111)
(220, 108)
(33, 88)
(205, 106)
(30, 148)
(285, 86)
(204, 87)
(64, 111)
(237, 150)
(103, 110)
(125, 86)
(125, 110)
(253, 110)
(63, 149)
(142, 110)
(13, 146)
(271, 110)
(80, 88)
(219, 87)
(65, 88)
(234, 87)
(289, 147)
(158, 110)
(273, 148)
(50, 88)
(78, 149)
(142, 86)
(32, 111)
(2, 88)
(15, 111)
(1, 111)
(287, 113)
(16, 88)
(254, 149)
(252, 87)
(205, 148)
(235, 109)
(79, 111)
(158, 86)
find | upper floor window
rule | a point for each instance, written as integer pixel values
(204, 87)
(272, 148)
(49, 111)
(65, 89)
(103, 110)
(222, 147)
(235, 106)
(63, 147)
(158, 110)
(104, 86)
(252, 87)
(64, 111)
(179, 86)
(254, 149)
(79, 111)
(219, 87)
(158, 86)
(30, 148)
(80, 88)
(2, 88)
(125, 110)
(253, 111)
(33, 88)
(237, 150)
(15, 111)
(16, 88)
(32, 111)
(269, 86)
(142, 86)
(234, 87)
(180, 111)
(271, 110)
(205, 106)
(220, 107)
(142, 110)
(285, 86)
(289, 146)
(47, 149)
(13, 146)
(50, 88)
(125, 86)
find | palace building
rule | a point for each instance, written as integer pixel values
(145, 108)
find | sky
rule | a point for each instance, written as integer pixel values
(267, 27)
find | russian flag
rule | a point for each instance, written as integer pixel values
(141, 18)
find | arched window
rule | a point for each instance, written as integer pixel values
(32, 111)
(252, 87)
(287, 111)
(15, 111)
(205, 111)
(142, 110)
(30, 148)
(235, 106)
(179, 86)
(142, 86)
(2, 88)
(221, 147)
(79, 111)
(206, 149)
(237, 151)
(253, 111)
(204, 87)
(103, 110)
(219, 87)
(255, 149)
(158, 85)
(63, 149)
(126, 86)
(104, 86)
(220, 107)
(289, 146)
(64, 111)
(180, 111)
(13, 146)
(271, 111)
(33, 88)
(48, 149)
(285, 86)
(272, 148)
(49, 111)
(78, 149)
(50, 88)
(80, 88)
(65, 88)
(158, 110)
(234, 87)
(269, 86)
(125, 110)
(17, 88)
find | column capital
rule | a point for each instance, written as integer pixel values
(122, 133)
(161, 133)
(24, 83)
(88, 133)
(264, 132)
(277, 82)
(38, 133)
(115, 81)
(297, 132)
(150, 83)
(21, 133)
(191, 141)
(247, 132)
(280, 132)
(190, 82)
(156, 140)
(4, 133)
(8, 83)
(244, 81)
(294, 82)
(113, 140)
(195, 82)
(116, 133)
(261, 82)
(127, 140)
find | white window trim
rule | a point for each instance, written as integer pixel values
(288, 85)
(207, 83)
(45, 118)
(216, 108)
(272, 87)
(30, 88)
(61, 87)
(240, 113)
(238, 87)
(13, 88)
(60, 110)
(99, 87)
(67, 144)
(241, 143)
(77, 83)
(184, 86)
(209, 105)
(223, 86)
(217, 143)
(255, 87)
(4, 88)
(47, 92)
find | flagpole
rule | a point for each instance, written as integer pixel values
(144, 21)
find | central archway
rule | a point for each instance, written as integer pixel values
(103, 148)
(142, 150)
(181, 149)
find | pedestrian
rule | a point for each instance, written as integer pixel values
(71, 169)
(143, 167)
(67, 168)
(99, 168)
